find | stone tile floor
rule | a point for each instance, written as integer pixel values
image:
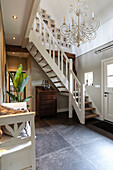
(64, 144)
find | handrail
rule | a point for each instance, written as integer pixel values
(75, 77)
(52, 36)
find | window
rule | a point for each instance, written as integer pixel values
(88, 77)
(110, 75)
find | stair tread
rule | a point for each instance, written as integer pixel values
(40, 60)
(60, 86)
(57, 82)
(91, 115)
(88, 102)
(52, 77)
(45, 66)
(89, 108)
(49, 71)
(64, 92)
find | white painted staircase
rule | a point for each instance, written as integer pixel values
(59, 69)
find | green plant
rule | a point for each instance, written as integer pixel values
(19, 83)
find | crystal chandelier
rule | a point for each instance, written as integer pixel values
(81, 30)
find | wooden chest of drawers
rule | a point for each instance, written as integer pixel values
(46, 102)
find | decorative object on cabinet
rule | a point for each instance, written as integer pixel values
(46, 85)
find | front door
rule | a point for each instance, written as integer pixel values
(108, 90)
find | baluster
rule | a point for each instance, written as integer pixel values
(50, 45)
(79, 97)
(44, 35)
(66, 69)
(70, 75)
(75, 90)
(53, 51)
(62, 62)
(58, 58)
(40, 30)
(83, 103)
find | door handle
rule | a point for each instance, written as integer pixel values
(105, 94)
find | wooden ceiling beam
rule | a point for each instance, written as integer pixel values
(13, 48)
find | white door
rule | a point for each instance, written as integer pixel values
(108, 90)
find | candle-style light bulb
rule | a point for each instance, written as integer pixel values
(69, 26)
(64, 19)
(72, 21)
(93, 15)
(83, 19)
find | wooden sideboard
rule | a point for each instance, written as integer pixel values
(46, 102)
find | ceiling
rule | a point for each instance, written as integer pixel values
(56, 8)
(15, 28)
(18, 54)
(60, 8)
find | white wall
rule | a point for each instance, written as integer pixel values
(92, 62)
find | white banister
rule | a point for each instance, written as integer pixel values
(53, 45)
(62, 66)
(83, 103)
(77, 91)
(70, 87)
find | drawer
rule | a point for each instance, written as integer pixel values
(48, 107)
(47, 97)
(47, 102)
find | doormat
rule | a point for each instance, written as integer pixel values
(105, 126)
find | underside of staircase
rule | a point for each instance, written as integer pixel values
(59, 69)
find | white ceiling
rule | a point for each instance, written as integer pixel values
(18, 54)
(56, 8)
(60, 8)
(15, 28)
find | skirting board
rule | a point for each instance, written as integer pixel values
(62, 110)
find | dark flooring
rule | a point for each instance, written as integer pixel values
(65, 144)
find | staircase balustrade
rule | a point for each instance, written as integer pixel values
(65, 65)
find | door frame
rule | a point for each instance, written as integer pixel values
(102, 86)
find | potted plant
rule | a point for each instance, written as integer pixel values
(19, 83)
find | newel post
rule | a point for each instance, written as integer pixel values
(70, 87)
(83, 103)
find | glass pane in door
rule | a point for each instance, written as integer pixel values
(110, 81)
(110, 69)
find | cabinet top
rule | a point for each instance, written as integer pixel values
(41, 89)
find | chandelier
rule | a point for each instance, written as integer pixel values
(80, 30)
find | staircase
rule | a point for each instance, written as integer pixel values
(59, 69)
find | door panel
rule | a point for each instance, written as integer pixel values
(108, 90)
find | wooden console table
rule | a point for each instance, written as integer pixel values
(46, 102)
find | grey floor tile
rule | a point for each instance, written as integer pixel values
(99, 153)
(49, 142)
(67, 159)
(78, 134)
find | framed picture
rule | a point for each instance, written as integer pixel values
(58, 36)
(52, 21)
(52, 25)
(57, 30)
(46, 21)
(43, 11)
